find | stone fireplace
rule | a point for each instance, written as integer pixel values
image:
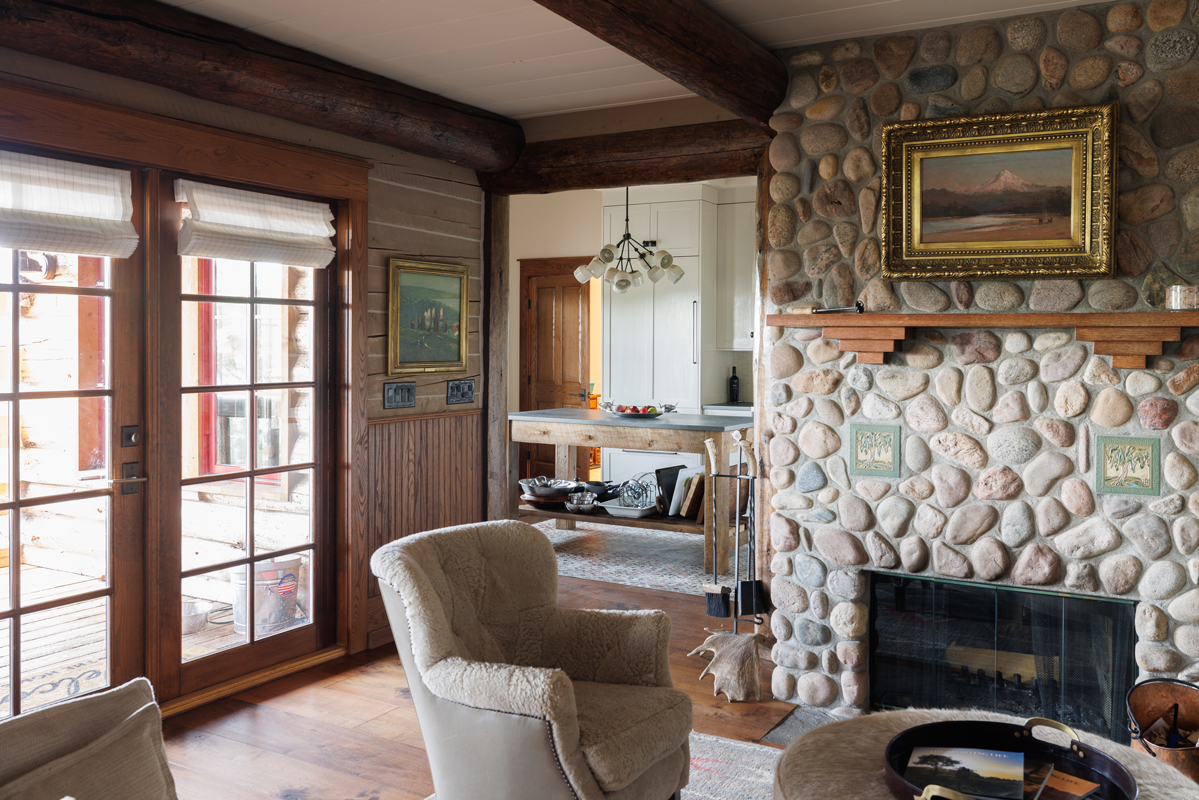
(995, 480)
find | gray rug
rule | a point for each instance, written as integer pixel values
(723, 769)
(651, 559)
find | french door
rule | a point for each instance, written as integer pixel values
(242, 495)
(71, 611)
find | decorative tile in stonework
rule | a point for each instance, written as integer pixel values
(874, 450)
(1127, 465)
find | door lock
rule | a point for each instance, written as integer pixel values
(129, 478)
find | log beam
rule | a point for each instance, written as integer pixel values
(688, 43)
(665, 155)
(166, 46)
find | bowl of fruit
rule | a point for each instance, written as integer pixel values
(637, 412)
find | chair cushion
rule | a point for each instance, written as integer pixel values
(624, 730)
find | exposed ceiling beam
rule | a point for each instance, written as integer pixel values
(688, 43)
(664, 155)
(166, 46)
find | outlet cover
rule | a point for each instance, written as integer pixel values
(460, 392)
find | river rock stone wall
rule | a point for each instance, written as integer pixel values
(998, 427)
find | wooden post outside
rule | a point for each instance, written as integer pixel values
(499, 468)
(765, 491)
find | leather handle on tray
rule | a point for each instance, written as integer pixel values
(1051, 723)
(933, 790)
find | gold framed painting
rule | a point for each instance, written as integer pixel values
(1001, 196)
(426, 314)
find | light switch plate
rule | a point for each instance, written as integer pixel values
(399, 395)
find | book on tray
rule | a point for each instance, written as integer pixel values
(993, 775)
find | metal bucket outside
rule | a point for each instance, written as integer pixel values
(1154, 699)
(276, 586)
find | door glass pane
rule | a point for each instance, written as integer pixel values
(5, 669)
(211, 602)
(5, 452)
(5, 337)
(216, 344)
(63, 269)
(64, 342)
(214, 522)
(64, 652)
(216, 276)
(216, 433)
(284, 342)
(64, 549)
(64, 445)
(285, 283)
(282, 511)
(284, 427)
(5, 569)
(6, 256)
(282, 595)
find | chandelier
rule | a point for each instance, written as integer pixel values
(620, 264)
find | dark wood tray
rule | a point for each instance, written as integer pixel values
(1115, 782)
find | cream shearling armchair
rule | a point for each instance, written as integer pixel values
(518, 698)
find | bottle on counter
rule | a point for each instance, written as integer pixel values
(734, 387)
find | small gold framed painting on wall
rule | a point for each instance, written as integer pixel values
(1002, 196)
(425, 315)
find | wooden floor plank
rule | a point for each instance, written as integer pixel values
(348, 728)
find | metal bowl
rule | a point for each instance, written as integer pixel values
(551, 488)
(195, 615)
(581, 502)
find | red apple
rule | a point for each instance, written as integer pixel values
(621, 409)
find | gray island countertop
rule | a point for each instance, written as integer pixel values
(674, 422)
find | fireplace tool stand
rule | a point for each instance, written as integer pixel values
(736, 666)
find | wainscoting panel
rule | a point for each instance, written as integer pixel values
(425, 472)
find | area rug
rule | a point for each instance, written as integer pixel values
(67, 680)
(651, 559)
(723, 769)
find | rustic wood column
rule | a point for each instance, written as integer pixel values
(499, 466)
(761, 382)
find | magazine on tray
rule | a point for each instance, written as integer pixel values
(985, 774)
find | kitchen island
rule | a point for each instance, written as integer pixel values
(570, 428)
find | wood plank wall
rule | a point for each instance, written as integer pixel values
(424, 474)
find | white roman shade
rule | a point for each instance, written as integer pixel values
(56, 206)
(252, 226)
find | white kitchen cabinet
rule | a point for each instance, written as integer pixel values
(676, 339)
(621, 465)
(736, 253)
(628, 352)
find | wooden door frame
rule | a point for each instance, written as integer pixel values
(49, 121)
(535, 268)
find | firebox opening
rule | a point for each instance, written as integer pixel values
(946, 644)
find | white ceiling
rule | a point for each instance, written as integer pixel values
(521, 60)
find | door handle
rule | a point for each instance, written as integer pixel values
(694, 331)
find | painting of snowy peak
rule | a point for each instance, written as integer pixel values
(996, 197)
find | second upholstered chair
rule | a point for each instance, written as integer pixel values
(516, 697)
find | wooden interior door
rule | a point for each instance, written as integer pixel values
(555, 338)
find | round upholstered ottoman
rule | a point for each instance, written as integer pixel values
(845, 759)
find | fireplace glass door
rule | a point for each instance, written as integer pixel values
(940, 644)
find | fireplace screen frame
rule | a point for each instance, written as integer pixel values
(1076, 678)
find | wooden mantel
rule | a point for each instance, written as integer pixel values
(1128, 337)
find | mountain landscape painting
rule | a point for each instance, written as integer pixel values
(1009, 196)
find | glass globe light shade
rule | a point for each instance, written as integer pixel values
(675, 273)
(650, 259)
(637, 277)
(619, 289)
(611, 274)
(608, 253)
(597, 267)
(664, 258)
(582, 274)
(622, 282)
(656, 273)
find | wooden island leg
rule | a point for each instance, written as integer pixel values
(566, 467)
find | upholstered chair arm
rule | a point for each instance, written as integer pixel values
(531, 691)
(629, 647)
